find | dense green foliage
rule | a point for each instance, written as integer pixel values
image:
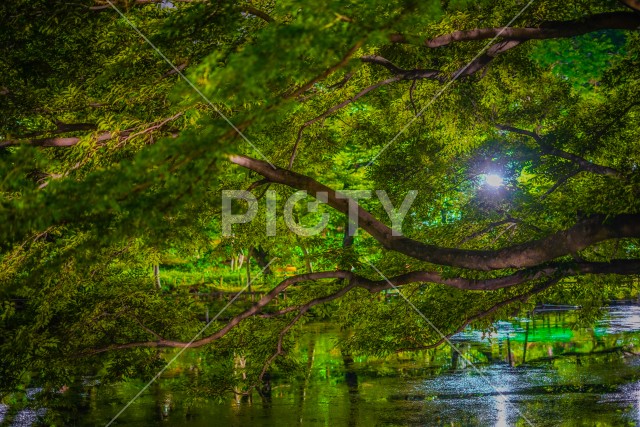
(111, 163)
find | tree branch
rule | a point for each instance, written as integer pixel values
(560, 182)
(519, 298)
(404, 74)
(279, 349)
(400, 74)
(333, 109)
(552, 272)
(547, 30)
(62, 128)
(150, 331)
(548, 149)
(125, 135)
(255, 309)
(511, 38)
(582, 235)
(60, 141)
(259, 13)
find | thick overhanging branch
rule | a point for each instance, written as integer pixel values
(547, 30)
(582, 235)
(512, 37)
(550, 274)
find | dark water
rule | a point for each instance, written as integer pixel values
(553, 375)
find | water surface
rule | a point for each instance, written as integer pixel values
(540, 370)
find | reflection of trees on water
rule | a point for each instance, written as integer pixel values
(351, 379)
(337, 388)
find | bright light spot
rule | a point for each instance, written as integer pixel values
(493, 180)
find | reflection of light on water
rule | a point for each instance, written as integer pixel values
(501, 409)
(620, 319)
(28, 417)
(633, 322)
(637, 404)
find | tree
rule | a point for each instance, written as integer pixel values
(111, 159)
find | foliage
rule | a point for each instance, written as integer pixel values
(111, 163)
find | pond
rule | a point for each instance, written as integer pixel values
(539, 371)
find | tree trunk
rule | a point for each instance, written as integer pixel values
(249, 271)
(156, 276)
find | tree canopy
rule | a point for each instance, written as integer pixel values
(123, 123)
